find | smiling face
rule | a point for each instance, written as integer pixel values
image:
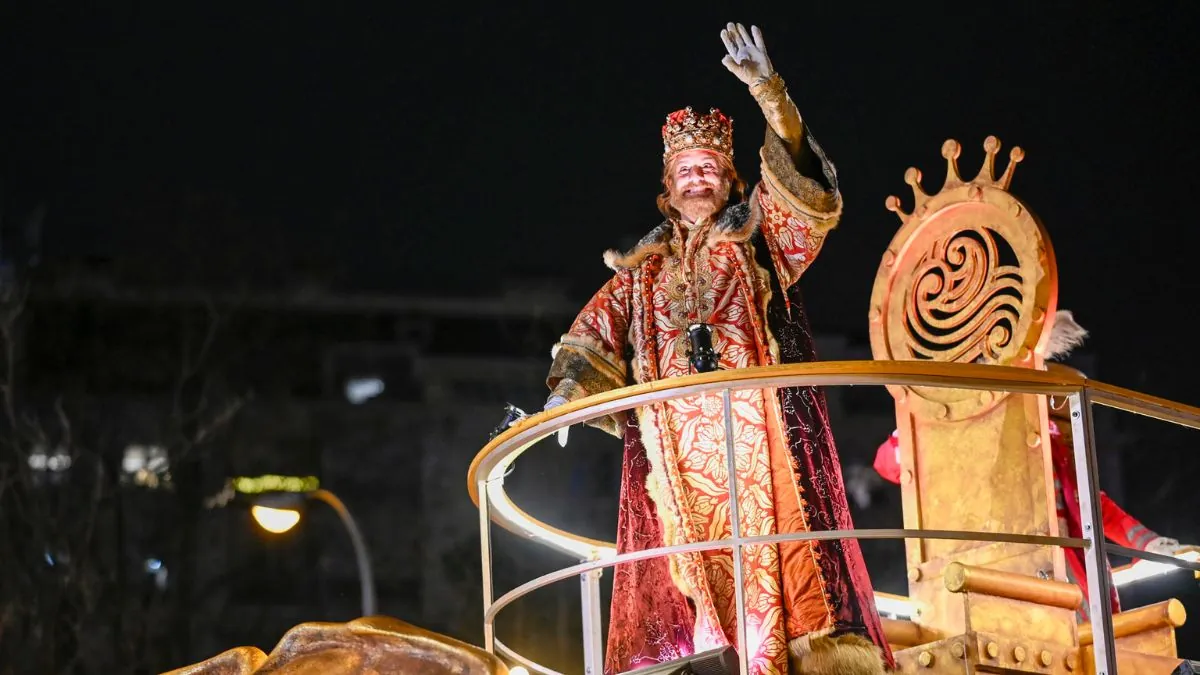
(698, 182)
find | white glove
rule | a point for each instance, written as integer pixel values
(1162, 545)
(747, 57)
(554, 402)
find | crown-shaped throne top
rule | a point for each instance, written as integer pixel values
(685, 130)
(970, 276)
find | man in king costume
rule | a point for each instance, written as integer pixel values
(729, 266)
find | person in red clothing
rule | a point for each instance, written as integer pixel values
(1120, 527)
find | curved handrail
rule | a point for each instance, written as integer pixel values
(531, 429)
(1143, 404)
(544, 580)
(487, 469)
(816, 535)
(526, 432)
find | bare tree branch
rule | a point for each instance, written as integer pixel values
(64, 423)
(67, 582)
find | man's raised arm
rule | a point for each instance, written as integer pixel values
(798, 196)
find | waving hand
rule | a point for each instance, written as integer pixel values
(747, 57)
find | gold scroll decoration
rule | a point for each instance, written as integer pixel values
(968, 278)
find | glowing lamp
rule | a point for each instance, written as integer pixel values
(273, 519)
(518, 670)
(1144, 569)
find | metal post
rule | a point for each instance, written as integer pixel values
(485, 554)
(593, 639)
(739, 585)
(1095, 558)
(365, 577)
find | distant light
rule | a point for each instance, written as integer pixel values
(153, 564)
(156, 459)
(134, 459)
(37, 460)
(254, 485)
(146, 465)
(276, 521)
(1144, 569)
(362, 389)
(59, 461)
(48, 558)
(40, 460)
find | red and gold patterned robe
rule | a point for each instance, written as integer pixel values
(738, 273)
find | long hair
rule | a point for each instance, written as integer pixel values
(737, 186)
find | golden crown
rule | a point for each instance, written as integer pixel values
(685, 130)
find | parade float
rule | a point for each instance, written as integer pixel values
(960, 316)
(961, 312)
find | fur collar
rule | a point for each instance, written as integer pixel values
(736, 223)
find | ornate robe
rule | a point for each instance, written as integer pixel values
(738, 273)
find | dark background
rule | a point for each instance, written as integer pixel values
(437, 149)
(438, 152)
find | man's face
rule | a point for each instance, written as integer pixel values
(699, 184)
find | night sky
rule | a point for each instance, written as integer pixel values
(443, 149)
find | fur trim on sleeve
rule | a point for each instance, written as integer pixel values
(814, 196)
(582, 367)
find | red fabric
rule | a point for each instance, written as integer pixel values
(650, 619)
(1118, 525)
(1123, 528)
(819, 475)
(887, 459)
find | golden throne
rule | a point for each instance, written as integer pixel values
(970, 277)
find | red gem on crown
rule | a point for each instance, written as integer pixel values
(685, 130)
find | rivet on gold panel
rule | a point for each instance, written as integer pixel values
(926, 659)
(1019, 654)
(993, 650)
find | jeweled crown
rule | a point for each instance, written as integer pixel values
(685, 130)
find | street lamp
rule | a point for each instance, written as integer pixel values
(279, 512)
(273, 520)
